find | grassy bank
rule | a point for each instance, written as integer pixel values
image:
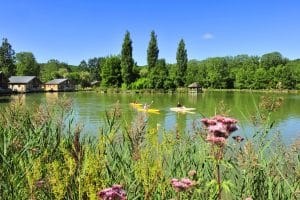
(43, 156)
(185, 90)
(249, 90)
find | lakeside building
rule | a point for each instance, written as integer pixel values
(195, 88)
(23, 84)
(57, 85)
(95, 83)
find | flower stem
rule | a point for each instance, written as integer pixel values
(219, 180)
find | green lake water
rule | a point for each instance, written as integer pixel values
(89, 109)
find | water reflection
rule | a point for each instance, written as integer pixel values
(20, 98)
(5, 99)
(51, 97)
(90, 107)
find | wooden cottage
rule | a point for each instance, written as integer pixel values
(56, 85)
(95, 83)
(24, 84)
(195, 88)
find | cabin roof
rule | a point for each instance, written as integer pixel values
(56, 81)
(194, 85)
(21, 79)
(95, 82)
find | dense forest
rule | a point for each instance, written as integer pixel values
(269, 71)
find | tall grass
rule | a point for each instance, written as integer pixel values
(43, 156)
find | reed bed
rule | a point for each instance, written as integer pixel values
(43, 155)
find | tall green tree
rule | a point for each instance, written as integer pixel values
(152, 51)
(94, 68)
(127, 60)
(196, 72)
(281, 77)
(217, 72)
(83, 65)
(111, 72)
(243, 68)
(7, 58)
(261, 78)
(295, 68)
(272, 60)
(85, 79)
(160, 74)
(182, 60)
(54, 69)
(26, 64)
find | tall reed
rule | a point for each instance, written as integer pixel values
(44, 156)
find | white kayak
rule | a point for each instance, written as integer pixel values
(183, 109)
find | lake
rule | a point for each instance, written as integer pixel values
(89, 109)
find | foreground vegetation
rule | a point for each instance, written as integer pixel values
(44, 156)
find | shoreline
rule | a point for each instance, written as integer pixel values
(161, 91)
(185, 91)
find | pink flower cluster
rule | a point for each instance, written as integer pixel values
(219, 128)
(182, 185)
(113, 193)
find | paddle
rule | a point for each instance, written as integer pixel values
(151, 103)
(147, 106)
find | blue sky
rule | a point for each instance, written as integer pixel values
(73, 30)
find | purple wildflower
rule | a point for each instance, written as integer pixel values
(219, 128)
(216, 140)
(113, 193)
(182, 185)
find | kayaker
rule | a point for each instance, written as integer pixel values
(179, 105)
(146, 106)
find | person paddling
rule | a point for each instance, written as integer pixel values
(147, 106)
(179, 105)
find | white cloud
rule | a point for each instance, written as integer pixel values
(207, 36)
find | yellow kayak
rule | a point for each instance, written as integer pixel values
(150, 110)
(136, 105)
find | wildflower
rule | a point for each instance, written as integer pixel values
(40, 183)
(248, 198)
(113, 193)
(219, 128)
(238, 138)
(182, 185)
(216, 140)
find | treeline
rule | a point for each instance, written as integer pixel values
(270, 71)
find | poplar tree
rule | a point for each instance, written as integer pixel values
(152, 51)
(182, 60)
(127, 60)
(7, 58)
